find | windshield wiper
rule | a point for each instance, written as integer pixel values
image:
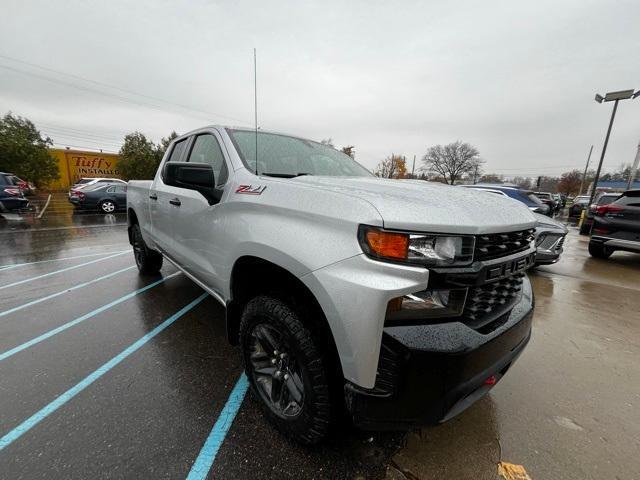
(284, 175)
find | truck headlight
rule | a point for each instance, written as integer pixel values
(426, 304)
(423, 249)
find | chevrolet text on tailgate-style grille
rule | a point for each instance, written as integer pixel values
(496, 245)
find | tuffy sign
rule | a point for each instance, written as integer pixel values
(75, 164)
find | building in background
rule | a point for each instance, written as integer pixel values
(75, 164)
(613, 186)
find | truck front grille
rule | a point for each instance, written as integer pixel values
(495, 245)
(487, 302)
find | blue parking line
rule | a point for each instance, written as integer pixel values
(62, 328)
(37, 417)
(207, 455)
(62, 292)
(60, 271)
(16, 265)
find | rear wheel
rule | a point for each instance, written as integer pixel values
(286, 369)
(598, 250)
(585, 228)
(148, 261)
(107, 206)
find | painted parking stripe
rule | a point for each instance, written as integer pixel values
(62, 328)
(61, 270)
(66, 290)
(37, 417)
(16, 265)
(208, 453)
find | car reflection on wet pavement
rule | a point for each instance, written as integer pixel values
(71, 302)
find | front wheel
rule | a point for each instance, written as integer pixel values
(148, 261)
(286, 369)
(107, 206)
(598, 250)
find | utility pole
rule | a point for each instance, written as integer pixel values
(604, 150)
(634, 169)
(584, 175)
(475, 174)
(609, 97)
(413, 168)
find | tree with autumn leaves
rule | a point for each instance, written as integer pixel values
(394, 166)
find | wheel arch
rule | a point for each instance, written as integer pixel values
(132, 219)
(252, 276)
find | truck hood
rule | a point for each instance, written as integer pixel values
(426, 206)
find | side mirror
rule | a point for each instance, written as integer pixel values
(193, 176)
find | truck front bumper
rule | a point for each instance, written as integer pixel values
(427, 374)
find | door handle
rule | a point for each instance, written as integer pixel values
(175, 201)
(153, 196)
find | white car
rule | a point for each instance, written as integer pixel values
(90, 181)
(401, 302)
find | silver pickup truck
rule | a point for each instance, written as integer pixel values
(399, 302)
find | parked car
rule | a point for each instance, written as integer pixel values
(27, 188)
(550, 236)
(579, 204)
(616, 226)
(11, 198)
(563, 200)
(547, 198)
(524, 196)
(105, 197)
(600, 200)
(400, 303)
(87, 182)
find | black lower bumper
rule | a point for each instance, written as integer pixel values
(427, 378)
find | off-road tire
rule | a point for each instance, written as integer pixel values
(316, 416)
(598, 250)
(148, 261)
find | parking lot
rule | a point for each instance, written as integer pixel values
(104, 373)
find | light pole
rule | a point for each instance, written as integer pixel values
(584, 175)
(609, 97)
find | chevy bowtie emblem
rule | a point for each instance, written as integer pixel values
(251, 190)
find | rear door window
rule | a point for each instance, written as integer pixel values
(206, 149)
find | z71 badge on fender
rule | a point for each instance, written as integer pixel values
(251, 190)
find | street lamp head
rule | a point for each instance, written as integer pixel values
(599, 98)
(636, 94)
(621, 95)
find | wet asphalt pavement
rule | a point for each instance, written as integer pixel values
(568, 409)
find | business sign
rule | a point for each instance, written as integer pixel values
(91, 165)
(75, 164)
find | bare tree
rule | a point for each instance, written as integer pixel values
(327, 141)
(452, 161)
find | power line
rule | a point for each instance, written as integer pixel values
(102, 150)
(108, 94)
(54, 132)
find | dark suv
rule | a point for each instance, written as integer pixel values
(11, 198)
(616, 226)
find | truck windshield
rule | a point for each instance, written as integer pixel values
(284, 156)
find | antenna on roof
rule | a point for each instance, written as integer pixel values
(255, 101)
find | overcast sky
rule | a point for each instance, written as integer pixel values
(515, 79)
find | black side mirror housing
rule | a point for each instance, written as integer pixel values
(193, 176)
